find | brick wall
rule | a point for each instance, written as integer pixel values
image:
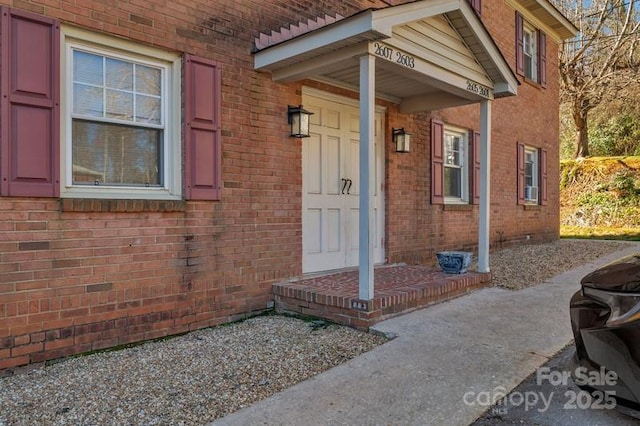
(82, 275)
(416, 229)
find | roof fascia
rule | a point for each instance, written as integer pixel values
(357, 25)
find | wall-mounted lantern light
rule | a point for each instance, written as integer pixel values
(299, 121)
(401, 139)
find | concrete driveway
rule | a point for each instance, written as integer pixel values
(548, 399)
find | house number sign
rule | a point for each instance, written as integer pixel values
(390, 54)
(478, 89)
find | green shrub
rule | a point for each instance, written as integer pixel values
(620, 135)
(596, 199)
(624, 182)
(600, 192)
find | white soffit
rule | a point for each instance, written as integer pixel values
(436, 49)
(549, 16)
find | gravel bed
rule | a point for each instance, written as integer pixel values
(191, 379)
(522, 266)
(206, 374)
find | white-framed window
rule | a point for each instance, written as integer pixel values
(530, 51)
(531, 180)
(456, 168)
(120, 132)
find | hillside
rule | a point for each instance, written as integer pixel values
(600, 192)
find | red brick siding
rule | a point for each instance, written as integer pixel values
(415, 228)
(81, 275)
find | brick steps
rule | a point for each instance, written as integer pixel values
(398, 289)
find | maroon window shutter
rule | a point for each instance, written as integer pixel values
(543, 177)
(477, 5)
(542, 58)
(202, 129)
(519, 44)
(474, 175)
(437, 162)
(29, 106)
(520, 180)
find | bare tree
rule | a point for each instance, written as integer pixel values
(597, 65)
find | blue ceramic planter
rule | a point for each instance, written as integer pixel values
(454, 262)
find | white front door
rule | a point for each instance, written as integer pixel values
(331, 187)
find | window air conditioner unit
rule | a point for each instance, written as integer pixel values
(530, 192)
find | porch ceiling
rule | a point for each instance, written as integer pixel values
(430, 54)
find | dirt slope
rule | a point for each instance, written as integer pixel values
(600, 191)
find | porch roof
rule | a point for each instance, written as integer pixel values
(430, 54)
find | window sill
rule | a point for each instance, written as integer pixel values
(458, 207)
(532, 82)
(532, 206)
(120, 206)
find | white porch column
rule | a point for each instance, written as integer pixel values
(485, 185)
(367, 165)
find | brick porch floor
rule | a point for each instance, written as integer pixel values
(397, 289)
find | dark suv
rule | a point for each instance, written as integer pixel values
(605, 318)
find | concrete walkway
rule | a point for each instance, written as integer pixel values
(491, 338)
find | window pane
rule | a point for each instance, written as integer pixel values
(452, 150)
(148, 109)
(148, 80)
(119, 74)
(87, 100)
(456, 143)
(530, 169)
(448, 148)
(526, 42)
(452, 182)
(110, 154)
(107, 87)
(87, 68)
(527, 66)
(119, 105)
(530, 53)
